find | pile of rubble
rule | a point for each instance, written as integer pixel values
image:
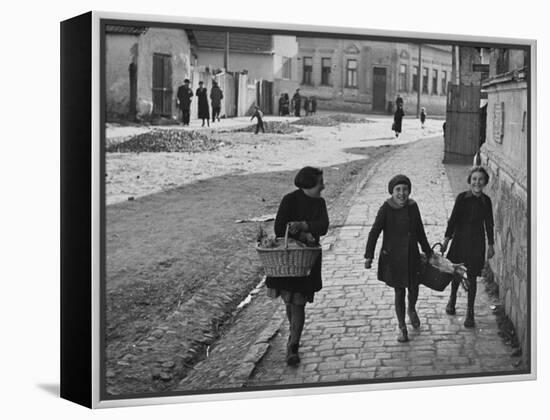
(273, 127)
(167, 140)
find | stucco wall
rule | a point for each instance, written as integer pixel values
(120, 51)
(259, 66)
(173, 42)
(507, 167)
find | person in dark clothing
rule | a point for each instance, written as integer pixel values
(306, 105)
(297, 103)
(284, 104)
(399, 260)
(422, 116)
(184, 96)
(216, 96)
(258, 114)
(313, 105)
(471, 218)
(397, 120)
(399, 101)
(204, 111)
(306, 213)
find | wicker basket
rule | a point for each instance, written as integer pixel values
(285, 262)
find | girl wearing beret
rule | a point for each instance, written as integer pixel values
(306, 211)
(471, 218)
(399, 260)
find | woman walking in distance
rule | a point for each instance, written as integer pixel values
(471, 218)
(306, 211)
(397, 120)
(204, 111)
(399, 261)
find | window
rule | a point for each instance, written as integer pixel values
(308, 69)
(444, 82)
(425, 80)
(415, 78)
(351, 73)
(326, 64)
(434, 82)
(287, 68)
(403, 77)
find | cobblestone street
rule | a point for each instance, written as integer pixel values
(351, 328)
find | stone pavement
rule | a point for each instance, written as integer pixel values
(351, 328)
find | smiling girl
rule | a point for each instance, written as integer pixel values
(399, 261)
(471, 218)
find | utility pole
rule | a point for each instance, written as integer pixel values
(419, 75)
(226, 54)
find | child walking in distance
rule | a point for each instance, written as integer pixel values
(258, 114)
(471, 219)
(399, 260)
(422, 116)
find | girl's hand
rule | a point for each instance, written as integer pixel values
(368, 263)
(295, 227)
(490, 252)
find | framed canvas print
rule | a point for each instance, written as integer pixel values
(270, 209)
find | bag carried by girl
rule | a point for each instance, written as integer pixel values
(437, 271)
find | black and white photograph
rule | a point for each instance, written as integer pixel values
(265, 210)
(294, 209)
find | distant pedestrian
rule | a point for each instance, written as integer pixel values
(422, 116)
(399, 261)
(258, 114)
(399, 101)
(471, 218)
(284, 104)
(297, 103)
(306, 105)
(313, 105)
(306, 212)
(397, 120)
(216, 96)
(204, 111)
(183, 100)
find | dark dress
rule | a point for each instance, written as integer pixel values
(204, 111)
(399, 259)
(397, 119)
(296, 207)
(471, 217)
(297, 102)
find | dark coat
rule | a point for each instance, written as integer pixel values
(399, 259)
(216, 96)
(397, 119)
(296, 207)
(204, 110)
(297, 103)
(184, 96)
(471, 217)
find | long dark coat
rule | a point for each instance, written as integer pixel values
(471, 217)
(204, 110)
(184, 96)
(397, 119)
(216, 96)
(296, 207)
(399, 259)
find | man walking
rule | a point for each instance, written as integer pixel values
(216, 96)
(184, 96)
(297, 103)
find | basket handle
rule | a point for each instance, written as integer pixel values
(286, 235)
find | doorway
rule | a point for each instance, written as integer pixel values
(162, 84)
(379, 89)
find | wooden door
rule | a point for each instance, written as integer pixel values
(462, 124)
(379, 89)
(132, 70)
(162, 84)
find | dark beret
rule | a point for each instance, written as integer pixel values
(398, 180)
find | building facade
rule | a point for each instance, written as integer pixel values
(366, 76)
(143, 69)
(505, 155)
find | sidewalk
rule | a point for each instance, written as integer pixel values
(351, 328)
